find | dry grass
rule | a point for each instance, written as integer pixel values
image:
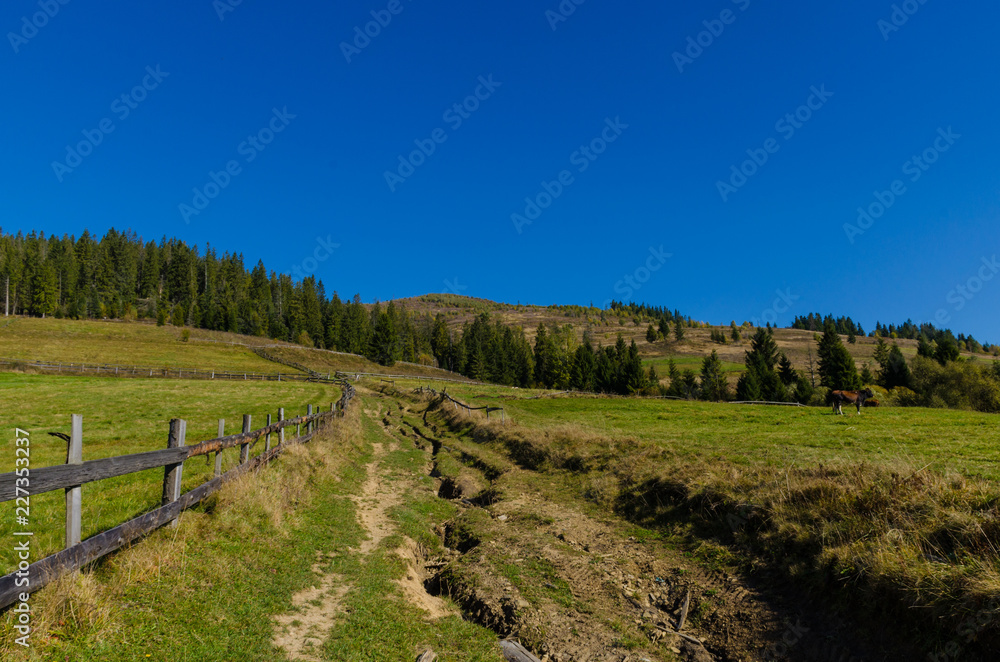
(895, 539)
(86, 607)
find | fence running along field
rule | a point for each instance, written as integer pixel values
(468, 409)
(72, 475)
(112, 370)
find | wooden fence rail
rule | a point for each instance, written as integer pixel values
(468, 409)
(75, 473)
(112, 370)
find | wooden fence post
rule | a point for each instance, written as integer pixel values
(267, 440)
(218, 455)
(281, 432)
(309, 412)
(74, 495)
(172, 472)
(245, 446)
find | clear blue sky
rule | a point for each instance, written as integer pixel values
(656, 184)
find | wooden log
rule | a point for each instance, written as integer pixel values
(218, 453)
(172, 473)
(64, 476)
(684, 611)
(74, 494)
(515, 652)
(245, 448)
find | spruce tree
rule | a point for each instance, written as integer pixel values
(748, 387)
(679, 330)
(836, 365)
(896, 372)
(786, 372)
(714, 385)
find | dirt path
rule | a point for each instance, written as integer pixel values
(303, 630)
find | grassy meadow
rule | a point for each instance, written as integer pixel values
(273, 551)
(123, 416)
(147, 345)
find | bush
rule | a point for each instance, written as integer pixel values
(185, 335)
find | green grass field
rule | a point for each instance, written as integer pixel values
(123, 416)
(687, 363)
(80, 341)
(948, 440)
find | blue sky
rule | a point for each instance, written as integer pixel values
(549, 92)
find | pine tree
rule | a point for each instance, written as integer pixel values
(748, 387)
(679, 330)
(734, 332)
(896, 372)
(947, 350)
(385, 339)
(714, 385)
(786, 372)
(651, 334)
(837, 369)
(676, 388)
(690, 382)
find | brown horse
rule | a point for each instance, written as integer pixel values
(856, 398)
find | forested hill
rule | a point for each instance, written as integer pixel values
(120, 276)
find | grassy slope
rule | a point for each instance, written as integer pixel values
(696, 344)
(893, 513)
(208, 591)
(950, 440)
(84, 341)
(124, 416)
(322, 362)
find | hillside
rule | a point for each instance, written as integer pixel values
(458, 310)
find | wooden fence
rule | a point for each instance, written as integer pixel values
(112, 370)
(72, 475)
(468, 409)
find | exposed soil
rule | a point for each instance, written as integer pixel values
(301, 631)
(589, 591)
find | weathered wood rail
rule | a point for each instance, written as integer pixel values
(468, 408)
(112, 370)
(75, 473)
